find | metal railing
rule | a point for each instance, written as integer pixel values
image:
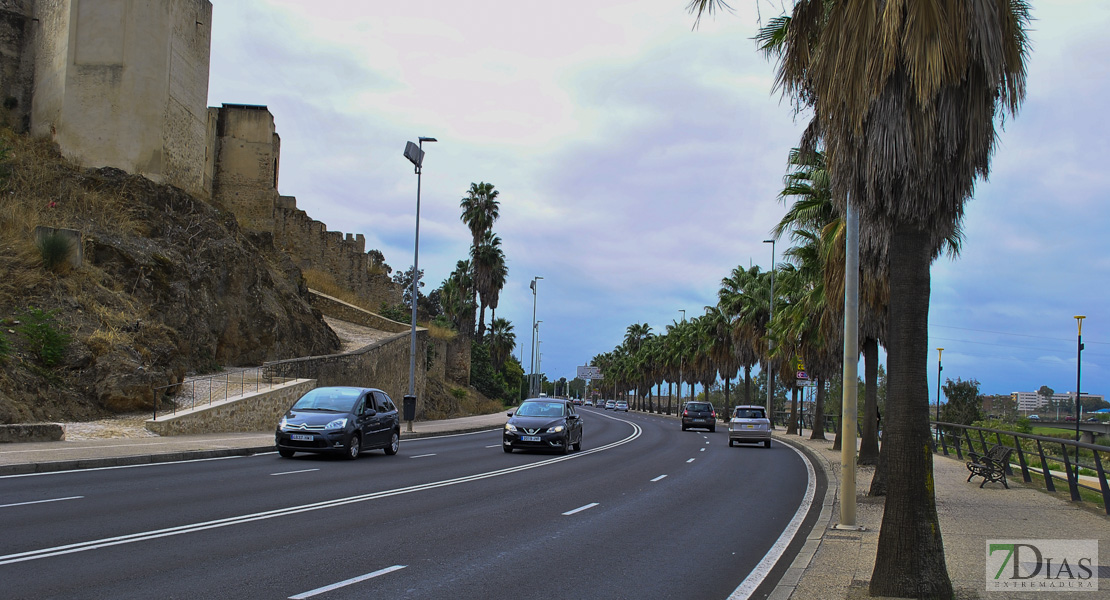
(1031, 448)
(201, 391)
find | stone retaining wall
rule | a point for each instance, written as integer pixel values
(258, 411)
(334, 307)
(32, 432)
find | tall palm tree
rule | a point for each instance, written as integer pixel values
(905, 96)
(722, 349)
(488, 262)
(740, 293)
(457, 297)
(480, 209)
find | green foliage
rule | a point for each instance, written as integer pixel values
(964, 406)
(1023, 425)
(458, 393)
(55, 249)
(40, 329)
(396, 312)
(482, 375)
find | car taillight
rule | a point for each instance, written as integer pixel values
(713, 415)
(685, 413)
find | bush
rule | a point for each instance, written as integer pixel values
(396, 312)
(44, 340)
(55, 249)
(458, 393)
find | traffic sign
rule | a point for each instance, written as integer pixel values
(588, 372)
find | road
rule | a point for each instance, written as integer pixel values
(643, 511)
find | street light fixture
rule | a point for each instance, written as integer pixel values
(532, 361)
(415, 154)
(1078, 395)
(770, 315)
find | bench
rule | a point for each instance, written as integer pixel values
(990, 466)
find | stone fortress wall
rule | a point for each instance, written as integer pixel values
(124, 83)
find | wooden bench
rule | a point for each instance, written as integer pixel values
(991, 466)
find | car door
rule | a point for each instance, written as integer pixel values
(574, 422)
(387, 412)
(365, 421)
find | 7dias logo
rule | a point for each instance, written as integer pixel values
(1042, 565)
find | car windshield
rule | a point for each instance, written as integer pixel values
(749, 413)
(328, 399)
(541, 409)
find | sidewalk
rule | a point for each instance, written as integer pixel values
(837, 564)
(40, 457)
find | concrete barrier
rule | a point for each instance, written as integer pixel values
(32, 432)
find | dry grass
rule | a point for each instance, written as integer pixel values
(441, 333)
(325, 283)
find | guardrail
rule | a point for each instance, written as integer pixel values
(200, 391)
(969, 438)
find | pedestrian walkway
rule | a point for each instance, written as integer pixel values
(838, 564)
(40, 457)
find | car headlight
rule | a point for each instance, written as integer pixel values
(337, 424)
(555, 429)
(282, 424)
(510, 427)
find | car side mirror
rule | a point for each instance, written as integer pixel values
(369, 412)
(510, 414)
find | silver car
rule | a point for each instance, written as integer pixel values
(749, 424)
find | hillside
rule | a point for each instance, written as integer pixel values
(169, 285)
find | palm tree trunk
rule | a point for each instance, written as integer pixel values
(748, 385)
(818, 432)
(728, 409)
(869, 441)
(909, 561)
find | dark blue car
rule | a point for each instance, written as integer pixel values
(340, 420)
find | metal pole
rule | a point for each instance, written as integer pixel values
(940, 352)
(851, 372)
(1078, 395)
(681, 365)
(532, 361)
(770, 344)
(415, 275)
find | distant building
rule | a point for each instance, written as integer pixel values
(1032, 401)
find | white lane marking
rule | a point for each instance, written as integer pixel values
(157, 464)
(292, 510)
(422, 456)
(294, 472)
(763, 569)
(707, 443)
(41, 501)
(661, 477)
(701, 450)
(495, 446)
(691, 460)
(348, 582)
(580, 509)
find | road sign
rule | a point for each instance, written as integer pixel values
(588, 372)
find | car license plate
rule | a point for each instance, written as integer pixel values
(749, 427)
(297, 437)
(530, 438)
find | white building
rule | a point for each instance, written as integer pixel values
(1032, 401)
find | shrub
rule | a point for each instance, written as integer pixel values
(396, 312)
(44, 340)
(55, 249)
(458, 393)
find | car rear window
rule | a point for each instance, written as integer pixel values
(749, 413)
(698, 406)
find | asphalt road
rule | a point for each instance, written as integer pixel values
(643, 511)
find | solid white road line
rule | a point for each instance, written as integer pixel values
(159, 464)
(293, 472)
(580, 509)
(346, 583)
(41, 501)
(763, 569)
(495, 446)
(422, 456)
(659, 478)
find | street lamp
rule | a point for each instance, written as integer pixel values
(415, 154)
(681, 364)
(1078, 395)
(532, 361)
(940, 352)
(770, 314)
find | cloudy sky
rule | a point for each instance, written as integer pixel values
(638, 161)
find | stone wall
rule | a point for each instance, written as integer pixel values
(334, 307)
(383, 364)
(16, 66)
(258, 411)
(247, 154)
(124, 83)
(344, 257)
(32, 432)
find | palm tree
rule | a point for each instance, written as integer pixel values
(480, 209)
(740, 294)
(502, 340)
(722, 349)
(488, 262)
(905, 96)
(457, 297)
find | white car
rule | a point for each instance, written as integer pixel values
(621, 405)
(589, 403)
(749, 424)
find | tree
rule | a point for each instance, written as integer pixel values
(1046, 393)
(501, 341)
(404, 280)
(905, 96)
(963, 404)
(488, 263)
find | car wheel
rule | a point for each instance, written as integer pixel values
(712, 429)
(766, 443)
(566, 446)
(286, 453)
(684, 428)
(507, 449)
(578, 444)
(394, 443)
(730, 443)
(354, 447)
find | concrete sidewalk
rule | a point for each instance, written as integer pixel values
(838, 564)
(40, 457)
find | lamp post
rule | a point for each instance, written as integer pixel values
(1078, 395)
(681, 364)
(415, 154)
(532, 361)
(770, 315)
(537, 381)
(940, 367)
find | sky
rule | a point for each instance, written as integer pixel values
(639, 160)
